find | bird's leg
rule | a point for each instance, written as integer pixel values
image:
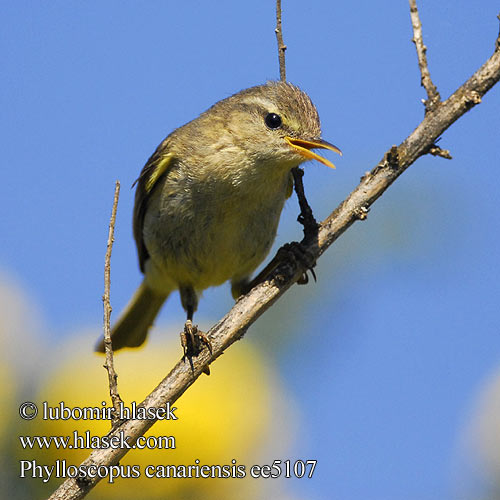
(191, 337)
(311, 227)
(306, 216)
(189, 302)
(187, 339)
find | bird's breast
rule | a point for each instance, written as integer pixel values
(205, 231)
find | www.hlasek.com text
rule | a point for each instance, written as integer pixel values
(87, 441)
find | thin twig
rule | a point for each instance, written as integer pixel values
(281, 44)
(433, 97)
(250, 307)
(110, 367)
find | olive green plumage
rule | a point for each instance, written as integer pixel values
(209, 199)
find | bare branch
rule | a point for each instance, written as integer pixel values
(250, 307)
(433, 97)
(281, 44)
(109, 365)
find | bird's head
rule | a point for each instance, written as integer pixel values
(275, 124)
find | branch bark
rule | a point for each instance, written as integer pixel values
(250, 307)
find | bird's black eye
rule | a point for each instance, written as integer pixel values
(273, 120)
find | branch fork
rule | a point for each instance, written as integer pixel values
(433, 97)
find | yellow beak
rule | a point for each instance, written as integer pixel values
(303, 147)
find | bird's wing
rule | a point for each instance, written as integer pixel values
(156, 167)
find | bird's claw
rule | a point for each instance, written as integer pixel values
(192, 341)
(301, 255)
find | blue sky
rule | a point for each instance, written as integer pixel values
(384, 355)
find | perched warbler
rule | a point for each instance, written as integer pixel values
(209, 199)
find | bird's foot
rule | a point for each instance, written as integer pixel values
(294, 251)
(192, 341)
(300, 255)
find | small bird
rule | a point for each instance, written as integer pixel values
(208, 201)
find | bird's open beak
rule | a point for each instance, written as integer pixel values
(304, 147)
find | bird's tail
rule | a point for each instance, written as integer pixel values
(133, 325)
